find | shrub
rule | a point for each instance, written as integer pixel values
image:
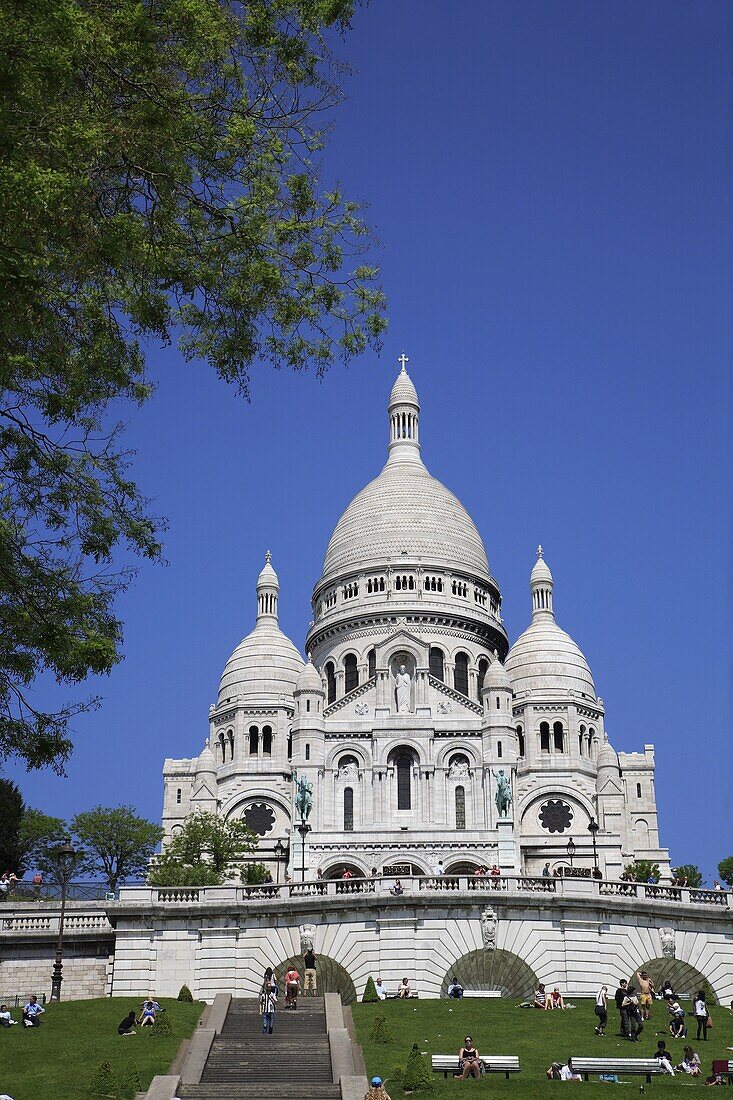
(381, 1031)
(707, 991)
(104, 1081)
(254, 873)
(162, 1025)
(131, 1083)
(417, 1073)
(185, 994)
(642, 870)
(370, 992)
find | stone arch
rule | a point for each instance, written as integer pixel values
(456, 746)
(331, 976)
(502, 970)
(465, 866)
(348, 748)
(685, 979)
(336, 870)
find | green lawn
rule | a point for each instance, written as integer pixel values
(498, 1027)
(56, 1060)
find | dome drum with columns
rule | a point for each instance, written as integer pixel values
(411, 709)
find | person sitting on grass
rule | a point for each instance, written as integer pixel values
(560, 1072)
(690, 1063)
(541, 999)
(127, 1026)
(32, 1013)
(662, 1057)
(149, 1009)
(380, 990)
(6, 1020)
(468, 1060)
(403, 989)
(677, 1027)
(455, 989)
(556, 1000)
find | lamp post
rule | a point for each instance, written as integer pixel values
(65, 863)
(303, 828)
(593, 828)
(571, 851)
(280, 851)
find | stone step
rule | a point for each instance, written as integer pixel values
(261, 1091)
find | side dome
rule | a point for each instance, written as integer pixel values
(309, 680)
(544, 658)
(265, 663)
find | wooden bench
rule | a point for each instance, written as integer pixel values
(482, 993)
(492, 1063)
(396, 996)
(622, 1067)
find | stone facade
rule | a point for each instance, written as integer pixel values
(28, 934)
(413, 710)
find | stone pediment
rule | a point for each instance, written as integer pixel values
(402, 639)
(358, 704)
(448, 702)
(204, 789)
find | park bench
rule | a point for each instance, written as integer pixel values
(621, 1067)
(724, 1069)
(395, 996)
(492, 1063)
(482, 993)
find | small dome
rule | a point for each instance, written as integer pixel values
(264, 663)
(309, 680)
(403, 391)
(541, 572)
(206, 761)
(607, 757)
(268, 576)
(497, 676)
(544, 658)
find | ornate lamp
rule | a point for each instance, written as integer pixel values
(66, 858)
(593, 828)
(280, 850)
(571, 850)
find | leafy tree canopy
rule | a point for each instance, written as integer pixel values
(642, 870)
(39, 838)
(116, 842)
(12, 809)
(725, 870)
(205, 852)
(689, 871)
(159, 180)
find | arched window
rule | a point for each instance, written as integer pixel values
(460, 673)
(348, 810)
(436, 663)
(372, 662)
(231, 744)
(254, 740)
(290, 746)
(498, 750)
(592, 744)
(307, 751)
(558, 736)
(267, 740)
(351, 679)
(581, 741)
(520, 741)
(403, 764)
(222, 747)
(330, 682)
(178, 797)
(483, 668)
(544, 736)
(638, 790)
(460, 808)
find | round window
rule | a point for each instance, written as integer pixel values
(259, 817)
(555, 816)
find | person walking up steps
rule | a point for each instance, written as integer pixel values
(268, 1004)
(309, 966)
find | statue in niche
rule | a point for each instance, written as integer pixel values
(667, 937)
(403, 687)
(303, 797)
(349, 771)
(459, 770)
(503, 797)
(488, 928)
(307, 937)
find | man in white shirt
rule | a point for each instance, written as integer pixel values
(6, 1020)
(381, 991)
(567, 1073)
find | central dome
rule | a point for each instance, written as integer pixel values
(405, 512)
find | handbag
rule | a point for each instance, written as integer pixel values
(709, 1022)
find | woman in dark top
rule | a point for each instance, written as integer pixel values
(126, 1026)
(468, 1059)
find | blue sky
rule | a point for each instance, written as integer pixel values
(550, 184)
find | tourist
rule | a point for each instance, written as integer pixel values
(690, 1063)
(701, 1015)
(546, 870)
(269, 980)
(376, 1090)
(381, 991)
(677, 1028)
(620, 997)
(663, 1057)
(397, 889)
(127, 1026)
(346, 873)
(555, 999)
(32, 1013)
(541, 999)
(374, 873)
(149, 1010)
(403, 989)
(309, 961)
(646, 994)
(635, 1023)
(601, 1010)
(292, 986)
(6, 1020)
(717, 887)
(468, 1060)
(455, 989)
(4, 886)
(268, 1003)
(666, 991)
(560, 1072)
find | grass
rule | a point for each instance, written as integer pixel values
(58, 1058)
(539, 1038)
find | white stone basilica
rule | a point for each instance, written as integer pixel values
(414, 720)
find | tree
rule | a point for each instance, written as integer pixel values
(159, 181)
(370, 992)
(725, 870)
(117, 842)
(11, 815)
(381, 1032)
(39, 837)
(417, 1074)
(689, 871)
(642, 870)
(205, 852)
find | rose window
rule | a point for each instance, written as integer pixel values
(555, 816)
(259, 817)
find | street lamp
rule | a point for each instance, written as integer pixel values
(303, 828)
(280, 851)
(571, 851)
(65, 862)
(593, 828)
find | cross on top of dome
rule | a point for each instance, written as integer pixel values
(404, 360)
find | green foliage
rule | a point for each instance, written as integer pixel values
(725, 870)
(39, 838)
(417, 1076)
(381, 1031)
(159, 181)
(185, 994)
(130, 1083)
(104, 1081)
(204, 853)
(117, 842)
(691, 872)
(162, 1026)
(254, 873)
(642, 869)
(12, 809)
(370, 992)
(707, 991)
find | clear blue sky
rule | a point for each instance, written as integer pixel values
(551, 186)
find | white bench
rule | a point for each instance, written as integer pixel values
(492, 1063)
(621, 1067)
(396, 996)
(482, 993)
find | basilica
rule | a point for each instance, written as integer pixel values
(415, 740)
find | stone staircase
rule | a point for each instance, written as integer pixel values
(294, 1063)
